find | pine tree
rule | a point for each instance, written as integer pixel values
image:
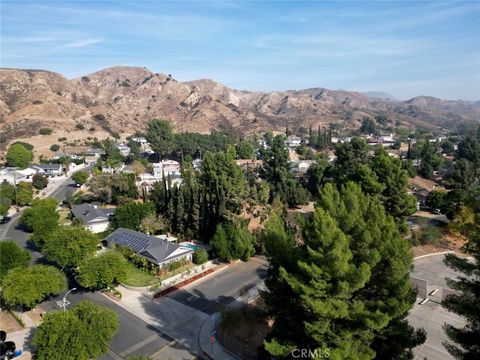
(345, 285)
(464, 342)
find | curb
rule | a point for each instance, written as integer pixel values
(433, 254)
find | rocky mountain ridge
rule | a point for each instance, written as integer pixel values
(123, 99)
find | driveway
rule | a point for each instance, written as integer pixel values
(432, 316)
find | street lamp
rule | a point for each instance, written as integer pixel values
(64, 301)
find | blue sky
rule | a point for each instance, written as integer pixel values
(404, 48)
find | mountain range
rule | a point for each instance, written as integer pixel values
(123, 99)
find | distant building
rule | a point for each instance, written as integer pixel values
(147, 180)
(140, 139)
(92, 217)
(293, 142)
(113, 169)
(158, 251)
(167, 167)
(124, 149)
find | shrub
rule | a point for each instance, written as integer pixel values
(61, 139)
(37, 102)
(45, 131)
(39, 181)
(92, 128)
(80, 126)
(200, 256)
(27, 146)
(55, 147)
(99, 117)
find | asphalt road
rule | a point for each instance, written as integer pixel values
(210, 294)
(134, 337)
(14, 231)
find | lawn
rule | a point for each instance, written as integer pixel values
(64, 217)
(138, 278)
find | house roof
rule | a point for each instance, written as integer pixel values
(154, 249)
(47, 166)
(89, 212)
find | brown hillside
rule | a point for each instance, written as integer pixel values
(125, 98)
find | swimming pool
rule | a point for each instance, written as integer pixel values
(191, 246)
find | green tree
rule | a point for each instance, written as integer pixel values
(200, 256)
(430, 160)
(368, 126)
(276, 171)
(447, 147)
(39, 181)
(7, 196)
(389, 170)
(436, 199)
(68, 245)
(24, 193)
(152, 224)
(82, 333)
(464, 342)
(80, 177)
(346, 286)
(130, 215)
(28, 286)
(102, 271)
(245, 150)
(12, 256)
(18, 156)
(160, 136)
(232, 241)
(41, 219)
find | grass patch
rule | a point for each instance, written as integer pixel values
(64, 217)
(138, 278)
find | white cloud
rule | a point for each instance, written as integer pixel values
(83, 43)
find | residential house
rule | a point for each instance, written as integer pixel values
(48, 169)
(124, 149)
(140, 139)
(293, 141)
(113, 169)
(167, 167)
(94, 218)
(158, 251)
(147, 180)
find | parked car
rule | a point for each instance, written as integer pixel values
(5, 219)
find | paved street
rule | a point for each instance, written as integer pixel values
(432, 316)
(135, 337)
(208, 295)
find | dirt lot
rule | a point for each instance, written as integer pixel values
(250, 328)
(8, 323)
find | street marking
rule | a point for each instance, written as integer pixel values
(140, 345)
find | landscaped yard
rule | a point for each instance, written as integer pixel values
(183, 268)
(138, 278)
(64, 217)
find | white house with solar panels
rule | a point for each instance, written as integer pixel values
(158, 251)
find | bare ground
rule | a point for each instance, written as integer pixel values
(248, 332)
